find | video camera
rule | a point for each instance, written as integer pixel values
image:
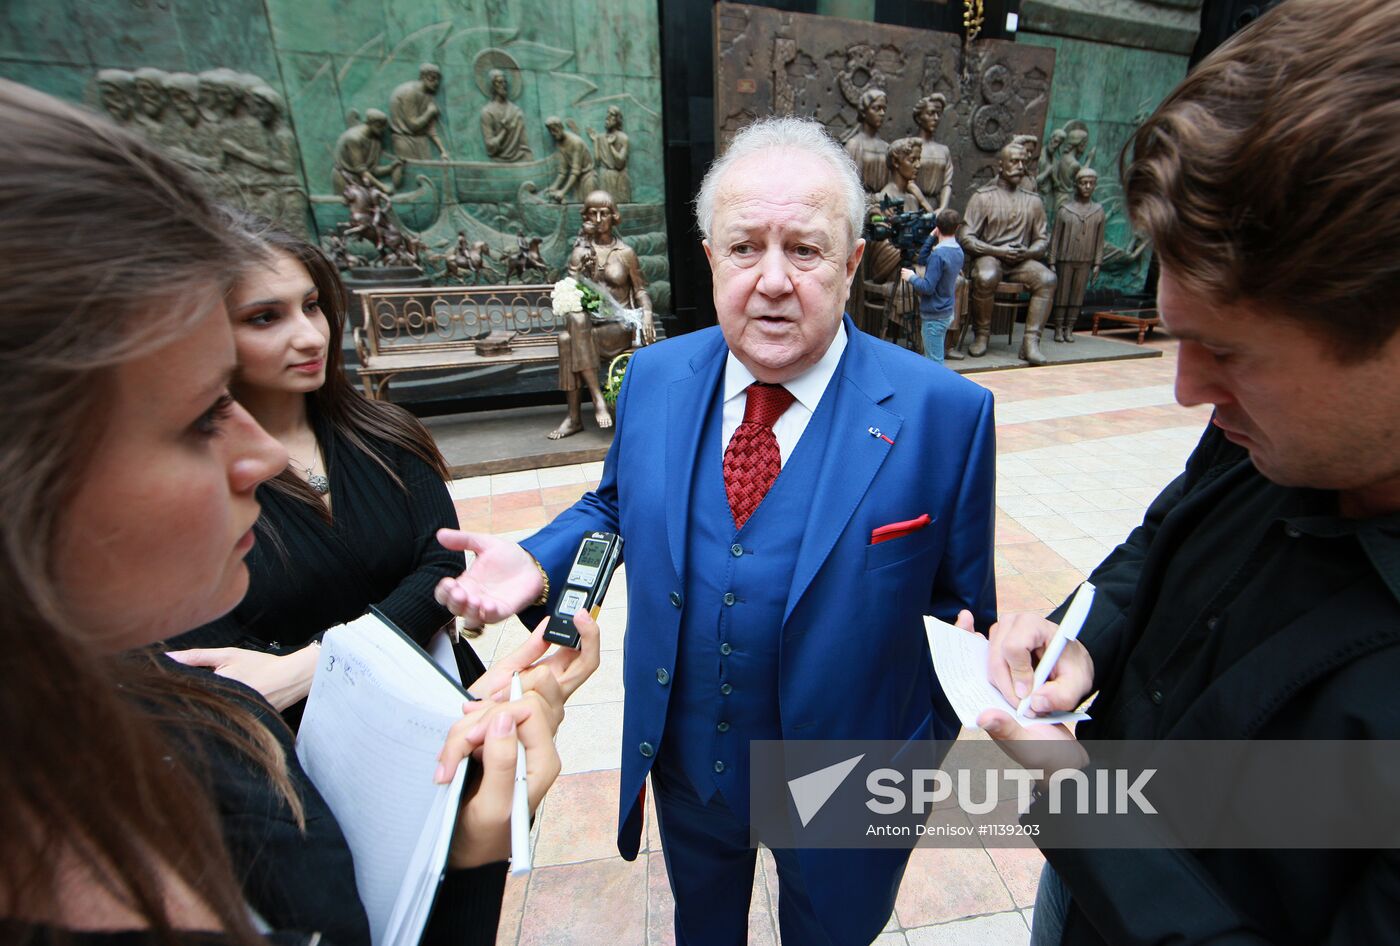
(906, 230)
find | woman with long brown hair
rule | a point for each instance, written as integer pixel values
(128, 475)
(352, 521)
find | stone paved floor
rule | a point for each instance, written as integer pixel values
(1081, 451)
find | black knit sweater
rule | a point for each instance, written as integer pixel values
(308, 575)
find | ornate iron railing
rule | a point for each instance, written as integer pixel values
(401, 320)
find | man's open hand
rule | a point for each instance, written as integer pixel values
(501, 581)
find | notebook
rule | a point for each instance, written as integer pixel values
(379, 711)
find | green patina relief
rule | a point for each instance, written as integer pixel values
(332, 61)
(44, 32)
(56, 79)
(330, 26)
(1111, 89)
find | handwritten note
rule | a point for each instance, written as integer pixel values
(960, 660)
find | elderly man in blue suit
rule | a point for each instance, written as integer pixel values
(794, 496)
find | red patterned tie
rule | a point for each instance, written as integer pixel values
(752, 461)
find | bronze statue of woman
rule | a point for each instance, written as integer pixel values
(601, 256)
(866, 147)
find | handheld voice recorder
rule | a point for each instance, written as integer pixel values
(589, 575)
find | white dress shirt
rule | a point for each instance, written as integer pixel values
(807, 389)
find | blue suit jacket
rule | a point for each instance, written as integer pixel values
(853, 623)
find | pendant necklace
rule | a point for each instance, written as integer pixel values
(319, 484)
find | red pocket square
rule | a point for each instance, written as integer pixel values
(896, 529)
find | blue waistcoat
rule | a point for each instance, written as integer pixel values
(736, 589)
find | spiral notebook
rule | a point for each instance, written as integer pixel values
(376, 719)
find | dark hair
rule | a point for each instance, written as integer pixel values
(99, 234)
(948, 221)
(353, 416)
(1269, 174)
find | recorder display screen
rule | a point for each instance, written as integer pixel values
(592, 554)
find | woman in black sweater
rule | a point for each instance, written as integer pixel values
(352, 521)
(142, 802)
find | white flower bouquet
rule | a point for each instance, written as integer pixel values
(580, 295)
(569, 295)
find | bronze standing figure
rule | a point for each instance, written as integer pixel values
(1076, 251)
(611, 150)
(866, 147)
(935, 177)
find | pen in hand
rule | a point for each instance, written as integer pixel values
(520, 801)
(1067, 631)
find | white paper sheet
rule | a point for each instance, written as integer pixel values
(960, 660)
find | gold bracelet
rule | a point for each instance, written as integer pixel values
(544, 576)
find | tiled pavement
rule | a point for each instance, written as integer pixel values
(1081, 451)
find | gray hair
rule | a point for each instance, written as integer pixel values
(786, 134)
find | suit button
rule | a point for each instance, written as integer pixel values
(719, 766)
(736, 550)
(676, 598)
(1292, 531)
(728, 598)
(723, 727)
(647, 749)
(1156, 697)
(726, 649)
(1211, 622)
(662, 677)
(726, 688)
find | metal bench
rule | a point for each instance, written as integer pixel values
(403, 331)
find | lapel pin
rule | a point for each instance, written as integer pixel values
(875, 432)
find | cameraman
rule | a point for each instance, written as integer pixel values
(943, 260)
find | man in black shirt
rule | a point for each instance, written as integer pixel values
(1260, 597)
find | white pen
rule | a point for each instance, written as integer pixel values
(1067, 631)
(520, 801)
